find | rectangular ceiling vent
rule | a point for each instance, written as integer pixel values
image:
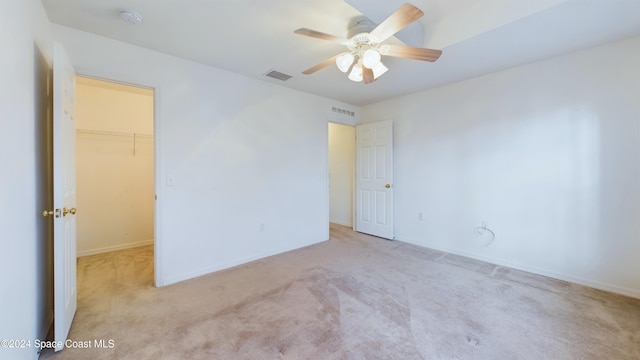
(343, 111)
(278, 75)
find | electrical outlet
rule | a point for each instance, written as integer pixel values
(261, 227)
(420, 216)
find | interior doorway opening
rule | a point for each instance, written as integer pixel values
(115, 166)
(341, 173)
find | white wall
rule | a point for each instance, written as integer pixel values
(342, 155)
(23, 24)
(546, 153)
(115, 186)
(242, 152)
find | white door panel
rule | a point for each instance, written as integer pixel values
(64, 195)
(374, 179)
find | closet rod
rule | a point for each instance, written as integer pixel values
(113, 133)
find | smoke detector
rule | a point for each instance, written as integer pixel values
(131, 17)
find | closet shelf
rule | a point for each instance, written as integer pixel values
(134, 136)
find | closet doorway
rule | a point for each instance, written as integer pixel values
(341, 173)
(115, 166)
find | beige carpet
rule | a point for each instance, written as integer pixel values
(353, 297)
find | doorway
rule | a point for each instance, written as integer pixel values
(115, 166)
(341, 173)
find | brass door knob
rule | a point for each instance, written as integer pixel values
(388, 186)
(66, 211)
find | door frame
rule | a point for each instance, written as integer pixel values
(157, 131)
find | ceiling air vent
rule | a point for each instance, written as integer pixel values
(278, 75)
(343, 111)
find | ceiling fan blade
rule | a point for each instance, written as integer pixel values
(320, 35)
(410, 52)
(396, 22)
(367, 75)
(322, 65)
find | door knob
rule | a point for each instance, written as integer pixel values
(388, 186)
(66, 211)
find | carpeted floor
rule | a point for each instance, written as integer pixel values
(353, 297)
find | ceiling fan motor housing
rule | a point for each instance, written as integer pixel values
(360, 25)
(359, 38)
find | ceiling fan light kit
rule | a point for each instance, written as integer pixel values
(366, 48)
(368, 55)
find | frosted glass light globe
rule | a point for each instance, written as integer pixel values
(356, 72)
(379, 70)
(344, 61)
(370, 58)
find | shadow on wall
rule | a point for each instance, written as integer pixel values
(44, 191)
(539, 178)
(535, 181)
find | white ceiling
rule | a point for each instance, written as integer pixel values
(252, 37)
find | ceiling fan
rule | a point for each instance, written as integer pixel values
(364, 42)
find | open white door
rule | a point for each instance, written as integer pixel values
(64, 195)
(374, 179)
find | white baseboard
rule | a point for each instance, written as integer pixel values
(230, 264)
(341, 222)
(635, 293)
(114, 248)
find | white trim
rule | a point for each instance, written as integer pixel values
(635, 293)
(157, 155)
(114, 248)
(343, 222)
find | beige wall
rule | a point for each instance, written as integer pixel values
(115, 186)
(341, 168)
